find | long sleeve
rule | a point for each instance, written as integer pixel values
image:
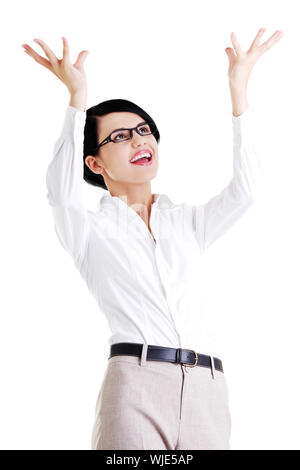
(213, 218)
(64, 180)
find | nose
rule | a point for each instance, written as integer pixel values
(137, 139)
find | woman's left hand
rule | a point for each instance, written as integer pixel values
(241, 63)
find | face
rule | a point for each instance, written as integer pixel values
(113, 159)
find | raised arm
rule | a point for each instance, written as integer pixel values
(64, 180)
(212, 219)
(222, 211)
(64, 176)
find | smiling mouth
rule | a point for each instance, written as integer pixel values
(145, 161)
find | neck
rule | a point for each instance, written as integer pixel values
(138, 197)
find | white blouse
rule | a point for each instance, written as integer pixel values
(149, 292)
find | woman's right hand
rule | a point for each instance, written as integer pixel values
(72, 75)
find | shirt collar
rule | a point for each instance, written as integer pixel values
(109, 202)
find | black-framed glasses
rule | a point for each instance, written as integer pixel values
(120, 135)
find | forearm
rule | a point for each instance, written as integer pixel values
(239, 99)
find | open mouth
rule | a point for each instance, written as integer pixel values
(144, 161)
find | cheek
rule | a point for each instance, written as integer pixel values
(155, 146)
(117, 162)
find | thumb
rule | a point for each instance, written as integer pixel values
(81, 58)
(230, 53)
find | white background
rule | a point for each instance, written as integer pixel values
(169, 57)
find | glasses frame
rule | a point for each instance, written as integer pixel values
(130, 129)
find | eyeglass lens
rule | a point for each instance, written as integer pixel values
(119, 136)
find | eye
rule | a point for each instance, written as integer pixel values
(145, 129)
(116, 138)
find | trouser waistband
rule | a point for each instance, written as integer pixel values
(187, 357)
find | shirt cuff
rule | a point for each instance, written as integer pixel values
(76, 109)
(74, 118)
(241, 116)
(243, 125)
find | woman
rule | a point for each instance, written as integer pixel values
(140, 255)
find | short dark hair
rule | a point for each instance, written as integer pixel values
(91, 128)
(89, 145)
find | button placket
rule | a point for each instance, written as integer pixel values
(139, 222)
(167, 290)
(160, 269)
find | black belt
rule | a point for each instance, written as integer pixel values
(187, 357)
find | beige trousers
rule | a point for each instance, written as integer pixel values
(157, 405)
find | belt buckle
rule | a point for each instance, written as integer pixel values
(196, 357)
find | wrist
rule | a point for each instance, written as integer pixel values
(78, 100)
(239, 100)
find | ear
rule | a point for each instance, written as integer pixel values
(93, 164)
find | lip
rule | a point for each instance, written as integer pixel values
(139, 152)
(147, 163)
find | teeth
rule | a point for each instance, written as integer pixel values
(146, 154)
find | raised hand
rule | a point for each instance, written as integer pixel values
(72, 75)
(241, 63)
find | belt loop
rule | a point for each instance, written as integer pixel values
(178, 355)
(212, 362)
(143, 359)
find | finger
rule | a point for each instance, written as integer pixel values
(41, 60)
(271, 41)
(236, 45)
(230, 54)
(66, 50)
(257, 38)
(81, 58)
(49, 53)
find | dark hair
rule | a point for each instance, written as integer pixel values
(91, 132)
